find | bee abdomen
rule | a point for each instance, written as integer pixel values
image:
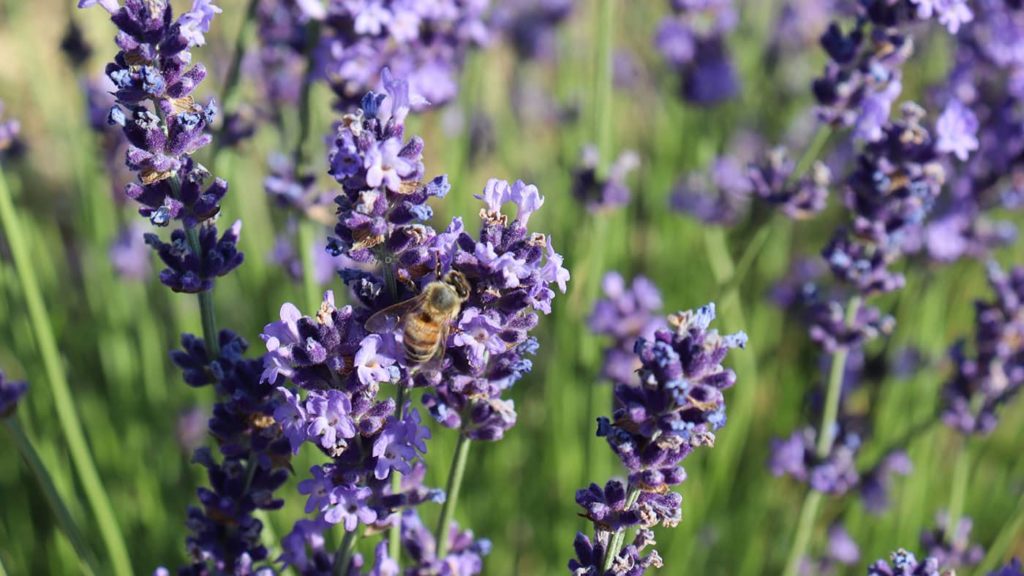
(421, 341)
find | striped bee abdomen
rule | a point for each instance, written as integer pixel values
(421, 338)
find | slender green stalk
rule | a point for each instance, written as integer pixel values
(348, 544)
(1007, 536)
(306, 246)
(603, 87)
(53, 498)
(826, 439)
(230, 87)
(958, 492)
(615, 544)
(305, 112)
(812, 152)
(395, 532)
(67, 416)
(3, 572)
(206, 309)
(455, 474)
(805, 525)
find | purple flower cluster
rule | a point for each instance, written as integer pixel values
(952, 549)
(1013, 568)
(625, 314)
(10, 393)
(800, 198)
(605, 193)
(892, 188)
(864, 77)
(904, 563)
(154, 79)
(224, 535)
(837, 473)
(676, 406)
(530, 25)
(994, 374)
(841, 551)
(425, 43)
(693, 42)
(719, 197)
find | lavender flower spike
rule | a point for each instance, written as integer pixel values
(676, 406)
(904, 563)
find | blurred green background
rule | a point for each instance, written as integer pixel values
(114, 334)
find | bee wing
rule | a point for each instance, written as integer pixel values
(392, 317)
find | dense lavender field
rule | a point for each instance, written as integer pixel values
(532, 287)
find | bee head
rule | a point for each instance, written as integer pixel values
(457, 280)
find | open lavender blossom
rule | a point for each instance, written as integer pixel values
(605, 193)
(800, 198)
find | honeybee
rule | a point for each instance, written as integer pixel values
(425, 320)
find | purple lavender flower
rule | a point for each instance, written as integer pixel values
(530, 25)
(692, 41)
(325, 266)
(465, 552)
(842, 550)
(957, 130)
(10, 129)
(904, 563)
(835, 474)
(10, 393)
(129, 254)
(994, 374)
(676, 406)
(224, 534)
(800, 199)
(154, 80)
(1013, 568)
(607, 193)
(625, 314)
(952, 550)
(875, 484)
(718, 198)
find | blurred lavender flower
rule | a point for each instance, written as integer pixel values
(692, 41)
(802, 198)
(10, 130)
(982, 383)
(841, 551)
(423, 42)
(835, 474)
(904, 563)
(875, 484)
(325, 266)
(952, 550)
(610, 192)
(957, 131)
(625, 314)
(190, 428)
(676, 406)
(129, 253)
(718, 198)
(530, 25)
(154, 78)
(10, 393)
(465, 552)
(1013, 568)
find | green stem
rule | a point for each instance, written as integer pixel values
(305, 111)
(958, 492)
(230, 87)
(53, 498)
(306, 246)
(395, 531)
(206, 309)
(603, 88)
(67, 416)
(348, 544)
(1007, 536)
(826, 439)
(812, 152)
(808, 514)
(615, 544)
(455, 474)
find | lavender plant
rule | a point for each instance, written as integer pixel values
(693, 42)
(338, 366)
(676, 406)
